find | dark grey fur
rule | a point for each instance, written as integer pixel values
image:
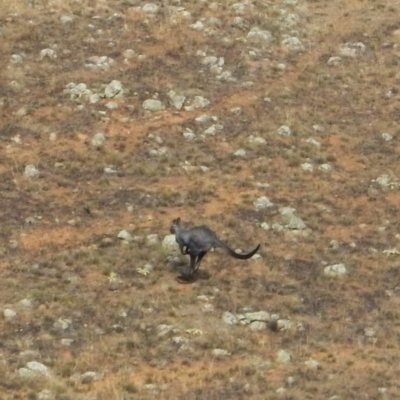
(198, 241)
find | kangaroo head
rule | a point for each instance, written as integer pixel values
(175, 225)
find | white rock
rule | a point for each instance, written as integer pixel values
(312, 364)
(284, 130)
(111, 105)
(124, 235)
(26, 303)
(369, 332)
(37, 367)
(209, 60)
(169, 244)
(66, 342)
(258, 326)
(62, 323)
(257, 35)
(258, 316)
(335, 270)
(313, 142)
(325, 167)
(229, 318)
(50, 53)
(291, 220)
(318, 128)
(307, 167)
(152, 239)
(189, 135)
(153, 105)
(293, 43)
(387, 137)
(240, 153)
(150, 8)
(352, 49)
(213, 129)
(334, 61)
(112, 89)
(283, 356)
(65, 19)
(257, 140)
(9, 314)
(97, 140)
(89, 376)
(198, 102)
(45, 394)
(31, 171)
(176, 99)
(265, 226)
(262, 202)
(220, 353)
(16, 58)
(197, 26)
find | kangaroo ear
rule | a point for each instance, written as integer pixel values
(178, 220)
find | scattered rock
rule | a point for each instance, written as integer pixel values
(258, 325)
(284, 130)
(125, 235)
(307, 167)
(31, 171)
(335, 270)
(197, 102)
(213, 129)
(152, 239)
(17, 58)
(33, 369)
(66, 19)
(21, 112)
(220, 353)
(45, 394)
(150, 8)
(102, 63)
(176, 100)
(257, 140)
(169, 244)
(111, 105)
(369, 332)
(153, 105)
(229, 318)
(240, 153)
(283, 356)
(62, 323)
(387, 137)
(25, 303)
(325, 167)
(257, 35)
(97, 140)
(49, 53)
(9, 314)
(352, 49)
(293, 43)
(89, 376)
(112, 89)
(312, 364)
(163, 329)
(189, 135)
(334, 61)
(261, 203)
(290, 219)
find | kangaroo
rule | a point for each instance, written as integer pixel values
(198, 241)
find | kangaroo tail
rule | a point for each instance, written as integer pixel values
(240, 256)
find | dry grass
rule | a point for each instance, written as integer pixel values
(67, 256)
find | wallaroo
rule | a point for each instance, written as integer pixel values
(197, 242)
